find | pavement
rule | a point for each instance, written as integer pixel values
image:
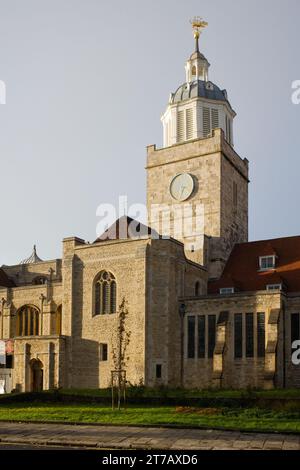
(132, 437)
(32, 447)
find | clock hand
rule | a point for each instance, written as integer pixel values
(182, 189)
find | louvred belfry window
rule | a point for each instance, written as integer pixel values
(215, 118)
(189, 124)
(180, 126)
(206, 122)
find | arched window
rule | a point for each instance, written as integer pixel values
(105, 294)
(194, 71)
(197, 289)
(58, 317)
(28, 321)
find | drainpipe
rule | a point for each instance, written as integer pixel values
(3, 301)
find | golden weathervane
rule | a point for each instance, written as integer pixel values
(198, 24)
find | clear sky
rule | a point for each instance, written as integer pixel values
(87, 81)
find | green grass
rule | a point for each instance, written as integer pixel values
(226, 409)
(180, 393)
(250, 419)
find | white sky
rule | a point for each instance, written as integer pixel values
(87, 81)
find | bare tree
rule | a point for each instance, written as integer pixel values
(120, 342)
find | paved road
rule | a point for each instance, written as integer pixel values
(31, 447)
(126, 437)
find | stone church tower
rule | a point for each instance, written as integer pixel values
(197, 180)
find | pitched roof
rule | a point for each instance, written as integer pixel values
(242, 268)
(4, 280)
(126, 228)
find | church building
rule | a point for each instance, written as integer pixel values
(206, 307)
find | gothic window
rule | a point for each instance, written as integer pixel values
(194, 71)
(261, 334)
(201, 336)
(197, 289)
(249, 335)
(97, 297)
(105, 294)
(200, 344)
(113, 294)
(191, 338)
(211, 334)
(247, 321)
(28, 321)
(238, 335)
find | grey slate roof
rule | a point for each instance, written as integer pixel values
(199, 89)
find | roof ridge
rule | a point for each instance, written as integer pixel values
(267, 240)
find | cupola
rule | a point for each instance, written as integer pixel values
(197, 106)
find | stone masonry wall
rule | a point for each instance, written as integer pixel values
(236, 373)
(214, 166)
(126, 260)
(169, 275)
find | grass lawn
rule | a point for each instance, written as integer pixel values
(158, 392)
(253, 419)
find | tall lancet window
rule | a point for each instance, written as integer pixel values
(105, 293)
(28, 321)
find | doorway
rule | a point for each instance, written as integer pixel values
(36, 367)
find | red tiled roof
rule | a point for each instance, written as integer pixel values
(242, 268)
(4, 280)
(125, 228)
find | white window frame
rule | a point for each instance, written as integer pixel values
(261, 258)
(272, 287)
(227, 290)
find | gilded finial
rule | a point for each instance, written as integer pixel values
(198, 24)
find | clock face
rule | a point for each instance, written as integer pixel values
(182, 186)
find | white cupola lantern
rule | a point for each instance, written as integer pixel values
(198, 106)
